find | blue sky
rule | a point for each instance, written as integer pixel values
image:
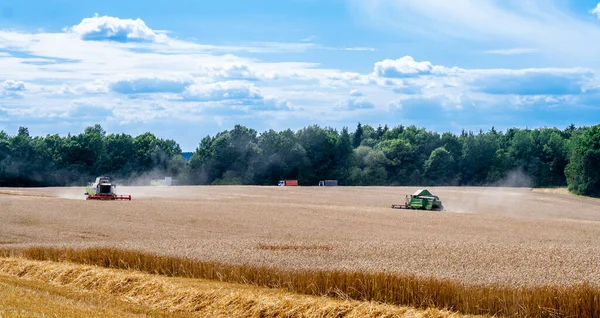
(184, 69)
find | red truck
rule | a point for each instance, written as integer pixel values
(287, 183)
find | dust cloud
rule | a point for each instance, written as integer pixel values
(501, 196)
(516, 178)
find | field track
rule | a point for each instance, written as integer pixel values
(487, 235)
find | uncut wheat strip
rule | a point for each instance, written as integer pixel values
(216, 299)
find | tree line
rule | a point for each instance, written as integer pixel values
(402, 155)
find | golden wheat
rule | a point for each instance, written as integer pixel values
(20, 297)
(508, 236)
(202, 298)
(525, 246)
(420, 292)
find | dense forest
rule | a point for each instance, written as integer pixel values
(544, 157)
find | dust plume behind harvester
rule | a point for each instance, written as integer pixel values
(103, 189)
(421, 200)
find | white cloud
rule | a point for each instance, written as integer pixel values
(222, 91)
(395, 105)
(355, 93)
(230, 72)
(83, 109)
(309, 38)
(410, 77)
(341, 79)
(182, 76)
(115, 29)
(355, 104)
(452, 86)
(545, 100)
(407, 67)
(271, 103)
(596, 11)
(9, 94)
(531, 81)
(142, 81)
(95, 87)
(416, 87)
(12, 89)
(358, 48)
(547, 25)
(513, 51)
(13, 86)
(149, 85)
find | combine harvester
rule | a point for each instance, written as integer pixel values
(421, 200)
(103, 189)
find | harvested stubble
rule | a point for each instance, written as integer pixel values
(177, 297)
(408, 290)
(24, 298)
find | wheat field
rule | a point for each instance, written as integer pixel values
(486, 236)
(72, 290)
(503, 237)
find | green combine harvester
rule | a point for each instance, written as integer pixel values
(421, 200)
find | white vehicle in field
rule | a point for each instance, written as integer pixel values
(103, 189)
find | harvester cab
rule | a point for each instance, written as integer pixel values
(103, 189)
(421, 200)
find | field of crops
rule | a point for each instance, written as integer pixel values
(36, 289)
(515, 237)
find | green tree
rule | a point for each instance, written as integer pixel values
(477, 157)
(368, 167)
(343, 153)
(199, 164)
(401, 160)
(399, 156)
(553, 159)
(143, 146)
(357, 137)
(583, 170)
(368, 132)
(440, 168)
(393, 133)
(229, 151)
(451, 143)
(22, 165)
(279, 156)
(4, 158)
(119, 155)
(320, 149)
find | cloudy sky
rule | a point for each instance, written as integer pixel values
(184, 69)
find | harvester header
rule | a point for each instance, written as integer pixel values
(103, 189)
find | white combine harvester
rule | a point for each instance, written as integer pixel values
(103, 189)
